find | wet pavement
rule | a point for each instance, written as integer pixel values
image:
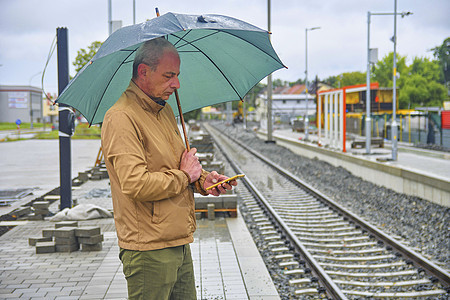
(227, 263)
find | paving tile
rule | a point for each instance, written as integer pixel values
(88, 275)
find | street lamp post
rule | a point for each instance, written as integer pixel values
(394, 132)
(109, 17)
(368, 119)
(269, 89)
(306, 79)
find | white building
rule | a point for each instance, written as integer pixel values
(287, 106)
(20, 102)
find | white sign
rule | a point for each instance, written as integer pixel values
(18, 100)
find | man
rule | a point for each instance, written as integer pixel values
(152, 176)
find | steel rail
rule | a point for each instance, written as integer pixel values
(331, 288)
(418, 260)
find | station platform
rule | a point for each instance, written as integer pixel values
(227, 264)
(418, 172)
(434, 163)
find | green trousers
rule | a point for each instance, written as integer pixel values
(159, 274)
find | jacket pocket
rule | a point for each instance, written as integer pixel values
(156, 212)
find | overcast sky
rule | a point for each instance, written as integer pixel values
(28, 27)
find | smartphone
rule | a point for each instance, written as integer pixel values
(226, 180)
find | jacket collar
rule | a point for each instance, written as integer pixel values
(143, 100)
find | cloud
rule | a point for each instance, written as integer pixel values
(27, 28)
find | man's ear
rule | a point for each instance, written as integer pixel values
(142, 70)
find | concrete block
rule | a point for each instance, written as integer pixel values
(64, 232)
(217, 166)
(83, 176)
(21, 211)
(76, 183)
(91, 240)
(45, 247)
(43, 212)
(94, 247)
(211, 212)
(205, 157)
(41, 204)
(33, 240)
(87, 231)
(66, 224)
(48, 232)
(201, 201)
(52, 197)
(34, 217)
(67, 248)
(66, 241)
(198, 215)
(229, 201)
(96, 177)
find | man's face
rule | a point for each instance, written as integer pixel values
(162, 82)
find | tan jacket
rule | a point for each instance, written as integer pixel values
(152, 199)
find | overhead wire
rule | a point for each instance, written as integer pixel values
(50, 54)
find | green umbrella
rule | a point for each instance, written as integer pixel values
(222, 58)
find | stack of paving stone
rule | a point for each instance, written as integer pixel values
(22, 212)
(204, 143)
(40, 210)
(83, 176)
(99, 173)
(89, 238)
(214, 165)
(67, 237)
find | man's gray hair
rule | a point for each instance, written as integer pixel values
(150, 52)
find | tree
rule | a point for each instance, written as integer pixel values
(299, 81)
(352, 78)
(383, 71)
(278, 83)
(346, 79)
(442, 54)
(419, 84)
(83, 56)
(332, 81)
(417, 90)
(429, 69)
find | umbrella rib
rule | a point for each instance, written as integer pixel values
(104, 91)
(278, 60)
(216, 31)
(179, 39)
(217, 67)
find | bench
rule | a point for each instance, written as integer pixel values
(378, 141)
(222, 203)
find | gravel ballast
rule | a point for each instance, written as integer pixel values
(420, 224)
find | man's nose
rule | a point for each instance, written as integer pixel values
(175, 82)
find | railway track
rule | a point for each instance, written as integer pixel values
(324, 250)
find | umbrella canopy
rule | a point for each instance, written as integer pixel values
(222, 58)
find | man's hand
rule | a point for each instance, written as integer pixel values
(190, 164)
(215, 177)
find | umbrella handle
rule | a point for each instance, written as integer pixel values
(188, 147)
(197, 183)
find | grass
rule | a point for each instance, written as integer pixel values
(82, 131)
(13, 126)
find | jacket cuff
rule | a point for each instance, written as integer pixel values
(187, 175)
(201, 182)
